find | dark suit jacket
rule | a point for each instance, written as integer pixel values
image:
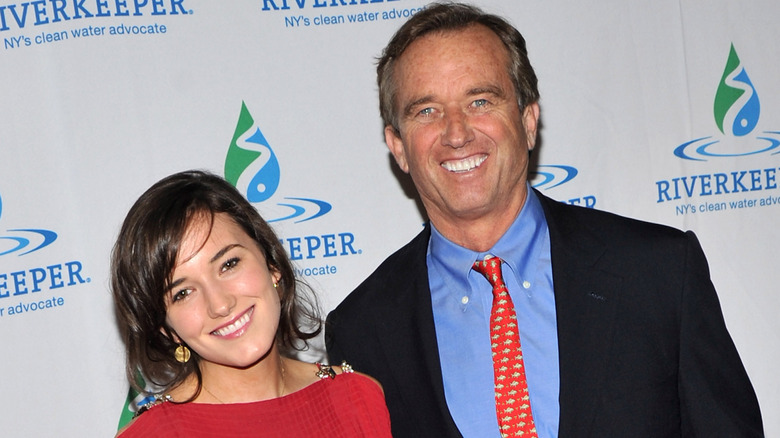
(643, 347)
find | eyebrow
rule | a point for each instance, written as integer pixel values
(408, 108)
(489, 89)
(222, 252)
(216, 257)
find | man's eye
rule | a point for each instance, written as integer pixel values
(480, 102)
(426, 112)
(230, 264)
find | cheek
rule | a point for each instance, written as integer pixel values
(268, 295)
(507, 136)
(419, 143)
(182, 322)
(498, 126)
(276, 303)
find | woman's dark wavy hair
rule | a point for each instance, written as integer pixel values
(144, 257)
(447, 17)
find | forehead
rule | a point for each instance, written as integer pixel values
(204, 229)
(445, 55)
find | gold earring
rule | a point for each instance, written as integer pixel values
(275, 284)
(182, 354)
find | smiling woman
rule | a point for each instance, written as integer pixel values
(208, 307)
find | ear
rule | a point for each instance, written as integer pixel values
(275, 277)
(174, 336)
(396, 146)
(530, 123)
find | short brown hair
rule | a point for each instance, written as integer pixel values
(444, 17)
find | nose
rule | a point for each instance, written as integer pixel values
(219, 302)
(457, 130)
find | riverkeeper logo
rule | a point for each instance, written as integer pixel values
(325, 13)
(16, 16)
(549, 176)
(275, 5)
(737, 114)
(36, 23)
(253, 168)
(33, 289)
(737, 110)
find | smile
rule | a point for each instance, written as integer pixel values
(236, 325)
(465, 164)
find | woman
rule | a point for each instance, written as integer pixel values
(206, 302)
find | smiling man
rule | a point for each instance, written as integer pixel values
(511, 314)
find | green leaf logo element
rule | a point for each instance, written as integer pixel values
(238, 159)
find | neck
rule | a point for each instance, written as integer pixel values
(478, 232)
(263, 381)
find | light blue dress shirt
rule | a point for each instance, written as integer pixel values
(462, 299)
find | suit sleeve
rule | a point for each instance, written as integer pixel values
(716, 396)
(335, 353)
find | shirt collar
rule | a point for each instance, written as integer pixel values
(519, 247)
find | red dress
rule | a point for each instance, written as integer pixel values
(350, 405)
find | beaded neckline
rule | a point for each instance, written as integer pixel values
(323, 372)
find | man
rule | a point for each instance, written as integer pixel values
(620, 329)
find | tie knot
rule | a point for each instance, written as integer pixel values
(491, 269)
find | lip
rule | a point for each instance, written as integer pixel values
(464, 164)
(236, 327)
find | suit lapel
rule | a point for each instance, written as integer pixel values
(410, 313)
(586, 299)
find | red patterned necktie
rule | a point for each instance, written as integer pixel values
(513, 406)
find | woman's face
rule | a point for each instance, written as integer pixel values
(222, 302)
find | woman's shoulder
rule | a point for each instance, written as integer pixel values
(345, 382)
(150, 420)
(305, 374)
(172, 419)
(347, 370)
(353, 402)
(363, 393)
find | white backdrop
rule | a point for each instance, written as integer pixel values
(100, 99)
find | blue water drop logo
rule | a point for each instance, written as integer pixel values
(265, 180)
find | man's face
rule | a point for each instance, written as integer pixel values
(463, 137)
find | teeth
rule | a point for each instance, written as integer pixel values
(234, 327)
(464, 165)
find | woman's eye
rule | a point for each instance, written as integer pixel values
(180, 294)
(230, 264)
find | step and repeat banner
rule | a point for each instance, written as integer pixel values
(661, 110)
